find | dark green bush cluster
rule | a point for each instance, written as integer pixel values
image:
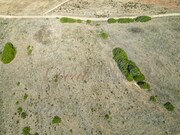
(130, 20)
(169, 106)
(121, 20)
(129, 68)
(125, 20)
(26, 131)
(8, 53)
(70, 20)
(112, 20)
(56, 120)
(142, 18)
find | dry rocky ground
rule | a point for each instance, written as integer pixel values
(71, 73)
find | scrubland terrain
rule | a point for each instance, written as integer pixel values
(91, 8)
(70, 72)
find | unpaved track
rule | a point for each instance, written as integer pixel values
(57, 6)
(82, 18)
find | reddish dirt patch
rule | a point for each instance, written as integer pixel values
(164, 3)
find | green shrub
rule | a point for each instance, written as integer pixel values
(135, 72)
(125, 20)
(88, 21)
(18, 83)
(143, 85)
(68, 20)
(123, 65)
(107, 116)
(119, 54)
(23, 115)
(8, 53)
(26, 131)
(153, 98)
(169, 106)
(142, 18)
(112, 20)
(19, 110)
(25, 96)
(29, 50)
(79, 21)
(139, 77)
(129, 77)
(104, 35)
(56, 120)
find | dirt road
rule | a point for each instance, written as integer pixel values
(83, 18)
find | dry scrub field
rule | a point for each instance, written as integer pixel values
(71, 73)
(67, 69)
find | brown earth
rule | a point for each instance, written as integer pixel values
(164, 3)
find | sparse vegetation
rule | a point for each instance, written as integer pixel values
(169, 106)
(153, 98)
(29, 50)
(56, 120)
(107, 116)
(104, 35)
(142, 18)
(93, 109)
(79, 21)
(88, 21)
(19, 110)
(25, 97)
(23, 115)
(125, 20)
(112, 20)
(143, 85)
(26, 131)
(8, 53)
(70, 20)
(18, 83)
(17, 103)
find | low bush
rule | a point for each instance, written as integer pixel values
(119, 54)
(123, 65)
(153, 98)
(112, 20)
(88, 21)
(8, 53)
(135, 72)
(169, 106)
(56, 120)
(104, 35)
(23, 115)
(143, 85)
(29, 50)
(142, 18)
(67, 20)
(125, 20)
(79, 21)
(26, 131)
